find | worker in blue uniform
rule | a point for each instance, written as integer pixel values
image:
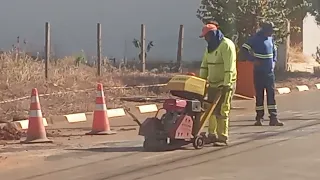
(262, 51)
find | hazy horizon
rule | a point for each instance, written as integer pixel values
(74, 22)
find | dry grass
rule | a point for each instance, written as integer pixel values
(293, 79)
(296, 55)
(18, 77)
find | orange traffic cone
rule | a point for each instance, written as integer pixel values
(100, 125)
(36, 132)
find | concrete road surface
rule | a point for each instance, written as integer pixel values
(255, 153)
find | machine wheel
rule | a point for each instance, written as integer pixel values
(198, 142)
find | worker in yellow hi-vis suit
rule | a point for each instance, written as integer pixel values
(219, 69)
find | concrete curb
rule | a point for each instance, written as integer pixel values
(120, 112)
(300, 88)
(83, 117)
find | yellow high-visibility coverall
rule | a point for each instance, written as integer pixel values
(219, 68)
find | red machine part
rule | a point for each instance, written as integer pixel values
(183, 128)
(174, 105)
(149, 126)
(191, 74)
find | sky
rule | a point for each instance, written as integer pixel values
(73, 24)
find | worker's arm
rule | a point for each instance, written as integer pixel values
(229, 59)
(247, 49)
(204, 66)
(275, 52)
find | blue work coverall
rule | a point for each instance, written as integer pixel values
(262, 51)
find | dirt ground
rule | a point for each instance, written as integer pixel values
(16, 155)
(292, 79)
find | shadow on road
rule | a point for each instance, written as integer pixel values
(298, 119)
(28, 148)
(88, 127)
(111, 149)
(238, 108)
(235, 123)
(282, 119)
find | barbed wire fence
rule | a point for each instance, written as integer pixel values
(84, 90)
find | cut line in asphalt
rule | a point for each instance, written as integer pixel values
(158, 155)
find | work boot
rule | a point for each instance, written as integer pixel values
(258, 122)
(211, 138)
(221, 141)
(275, 122)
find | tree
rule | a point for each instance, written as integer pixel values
(137, 44)
(314, 10)
(239, 19)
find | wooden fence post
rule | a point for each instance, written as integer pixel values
(47, 48)
(180, 48)
(287, 47)
(99, 48)
(143, 48)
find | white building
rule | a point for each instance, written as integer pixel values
(311, 37)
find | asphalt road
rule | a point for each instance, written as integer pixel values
(255, 153)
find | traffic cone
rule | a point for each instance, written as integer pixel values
(100, 124)
(36, 132)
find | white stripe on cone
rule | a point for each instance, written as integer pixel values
(99, 94)
(101, 107)
(35, 113)
(35, 99)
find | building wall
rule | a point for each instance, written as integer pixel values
(310, 36)
(74, 25)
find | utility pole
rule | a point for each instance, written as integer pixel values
(287, 48)
(143, 48)
(99, 49)
(47, 48)
(180, 48)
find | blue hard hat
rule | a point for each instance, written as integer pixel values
(268, 26)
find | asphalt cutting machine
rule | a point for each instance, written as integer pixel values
(183, 118)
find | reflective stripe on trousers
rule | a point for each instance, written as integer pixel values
(219, 121)
(266, 82)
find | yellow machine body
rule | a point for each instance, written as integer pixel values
(185, 86)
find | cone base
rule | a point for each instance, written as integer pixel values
(101, 133)
(43, 140)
